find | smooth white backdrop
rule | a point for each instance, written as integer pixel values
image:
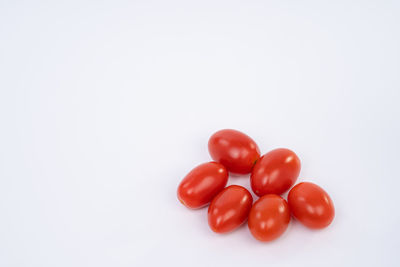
(106, 105)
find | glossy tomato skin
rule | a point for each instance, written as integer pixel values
(229, 209)
(202, 184)
(275, 172)
(311, 205)
(269, 217)
(234, 149)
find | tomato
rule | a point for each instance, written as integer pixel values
(235, 150)
(311, 205)
(275, 172)
(229, 209)
(202, 184)
(269, 217)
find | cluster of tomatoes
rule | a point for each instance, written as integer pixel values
(271, 175)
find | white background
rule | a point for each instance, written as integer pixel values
(106, 105)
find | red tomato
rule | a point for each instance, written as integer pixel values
(229, 209)
(269, 217)
(202, 184)
(311, 205)
(235, 150)
(275, 172)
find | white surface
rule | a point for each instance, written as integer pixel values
(104, 107)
